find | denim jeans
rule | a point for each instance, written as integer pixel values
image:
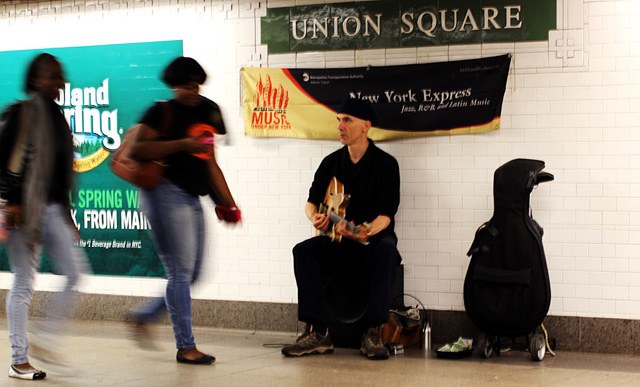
(58, 237)
(177, 227)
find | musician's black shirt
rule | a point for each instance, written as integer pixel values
(373, 182)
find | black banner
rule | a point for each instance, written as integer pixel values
(438, 98)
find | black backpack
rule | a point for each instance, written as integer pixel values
(506, 288)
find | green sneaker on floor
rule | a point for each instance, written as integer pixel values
(309, 343)
(372, 346)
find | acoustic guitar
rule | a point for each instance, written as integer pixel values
(335, 206)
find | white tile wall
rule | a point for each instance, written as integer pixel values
(580, 114)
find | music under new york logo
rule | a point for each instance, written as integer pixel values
(271, 102)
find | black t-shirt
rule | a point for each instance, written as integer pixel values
(373, 183)
(185, 170)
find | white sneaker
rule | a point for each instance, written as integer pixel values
(32, 374)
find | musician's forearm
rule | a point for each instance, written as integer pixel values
(379, 224)
(310, 210)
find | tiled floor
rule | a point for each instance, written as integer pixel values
(105, 357)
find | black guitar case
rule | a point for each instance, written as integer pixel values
(506, 288)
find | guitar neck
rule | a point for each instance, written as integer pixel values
(335, 218)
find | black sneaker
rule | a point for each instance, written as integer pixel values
(372, 346)
(309, 343)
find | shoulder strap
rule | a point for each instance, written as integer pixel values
(165, 129)
(14, 164)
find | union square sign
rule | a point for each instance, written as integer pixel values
(404, 23)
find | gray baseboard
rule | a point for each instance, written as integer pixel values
(571, 333)
(254, 316)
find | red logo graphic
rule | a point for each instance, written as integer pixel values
(270, 111)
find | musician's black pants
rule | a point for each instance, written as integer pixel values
(317, 258)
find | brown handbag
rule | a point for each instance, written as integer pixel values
(144, 174)
(405, 326)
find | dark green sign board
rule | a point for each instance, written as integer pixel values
(403, 23)
(107, 90)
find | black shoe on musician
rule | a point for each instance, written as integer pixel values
(372, 346)
(311, 342)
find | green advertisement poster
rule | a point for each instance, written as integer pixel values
(107, 90)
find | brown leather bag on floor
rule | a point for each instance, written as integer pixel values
(405, 326)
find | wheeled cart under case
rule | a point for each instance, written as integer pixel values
(537, 343)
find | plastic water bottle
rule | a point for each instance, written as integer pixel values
(427, 338)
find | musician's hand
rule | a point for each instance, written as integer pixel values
(378, 224)
(320, 221)
(342, 229)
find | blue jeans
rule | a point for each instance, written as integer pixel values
(58, 238)
(177, 227)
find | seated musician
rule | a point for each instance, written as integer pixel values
(370, 178)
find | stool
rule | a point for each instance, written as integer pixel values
(346, 301)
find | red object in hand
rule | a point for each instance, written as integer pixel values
(228, 214)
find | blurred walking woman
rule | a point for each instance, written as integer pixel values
(37, 155)
(173, 207)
